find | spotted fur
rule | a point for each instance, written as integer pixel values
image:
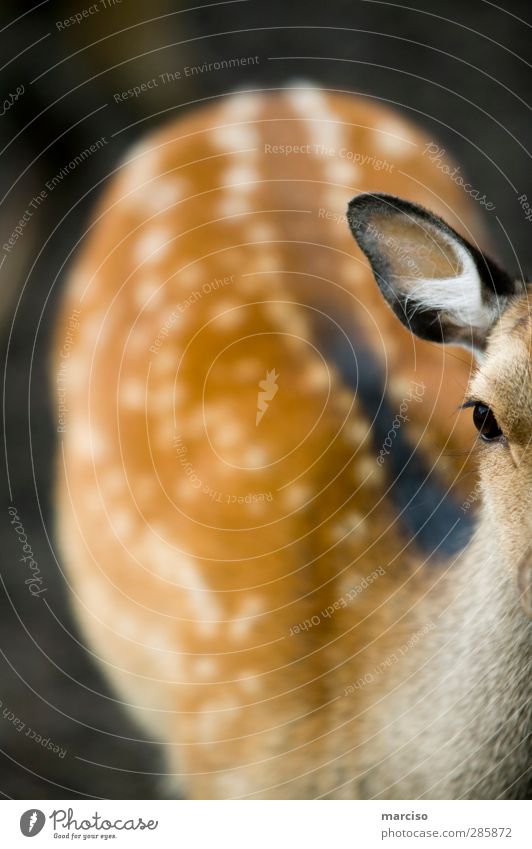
(197, 542)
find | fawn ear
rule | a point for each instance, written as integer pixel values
(441, 287)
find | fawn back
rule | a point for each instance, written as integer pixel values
(237, 400)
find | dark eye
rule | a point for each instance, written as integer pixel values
(485, 422)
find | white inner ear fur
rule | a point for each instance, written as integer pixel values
(460, 295)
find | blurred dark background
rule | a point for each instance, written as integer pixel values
(458, 68)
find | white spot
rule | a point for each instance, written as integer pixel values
(93, 499)
(169, 665)
(249, 681)
(89, 441)
(166, 398)
(266, 261)
(152, 245)
(353, 520)
(353, 271)
(254, 457)
(317, 376)
(214, 715)
(190, 276)
(235, 137)
(205, 667)
(194, 422)
(162, 193)
(233, 784)
(97, 595)
(250, 609)
(241, 176)
(306, 99)
(356, 431)
(138, 343)
(229, 434)
(336, 199)
(229, 317)
(165, 361)
(186, 492)
(286, 318)
(217, 409)
(367, 471)
(140, 165)
(132, 394)
(393, 137)
(296, 495)
(399, 387)
(232, 205)
(158, 555)
(342, 171)
(243, 107)
(148, 293)
(325, 128)
(77, 372)
(126, 625)
(256, 507)
(122, 523)
(344, 400)
(93, 328)
(351, 523)
(201, 599)
(352, 580)
(260, 231)
(81, 282)
(327, 131)
(207, 724)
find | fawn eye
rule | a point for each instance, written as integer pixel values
(485, 422)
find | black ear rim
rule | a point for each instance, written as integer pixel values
(362, 206)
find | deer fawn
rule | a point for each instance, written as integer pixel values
(261, 498)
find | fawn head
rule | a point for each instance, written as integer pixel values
(445, 290)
